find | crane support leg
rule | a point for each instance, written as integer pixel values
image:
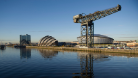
(87, 34)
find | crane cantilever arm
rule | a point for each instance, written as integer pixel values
(95, 16)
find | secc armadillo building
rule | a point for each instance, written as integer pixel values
(48, 41)
(98, 39)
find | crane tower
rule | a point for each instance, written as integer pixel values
(87, 25)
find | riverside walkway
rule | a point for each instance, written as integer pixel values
(87, 49)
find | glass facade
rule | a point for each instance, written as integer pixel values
(25, 39)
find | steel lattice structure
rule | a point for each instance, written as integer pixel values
(87, 25)
(87, 31)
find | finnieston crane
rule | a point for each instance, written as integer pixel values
(87, 25)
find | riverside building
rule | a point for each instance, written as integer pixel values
(48, 41)
(25, 39)
(98, 39)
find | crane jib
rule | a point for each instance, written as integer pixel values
(95, 16)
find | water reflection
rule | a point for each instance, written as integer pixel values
(2, 48)
(86, 63)
(25, 53)
(47, 53)
(1, 51)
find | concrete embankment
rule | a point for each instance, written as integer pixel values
(86, 49)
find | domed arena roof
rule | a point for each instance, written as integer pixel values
(48, 41)
(98, 39)
(99, 35)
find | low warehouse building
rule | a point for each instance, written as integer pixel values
(132, 44)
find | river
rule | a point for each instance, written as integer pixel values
(42, 63)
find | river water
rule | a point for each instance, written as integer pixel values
(42, 63)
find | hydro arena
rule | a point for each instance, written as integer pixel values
(98, 39)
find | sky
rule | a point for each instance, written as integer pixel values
(39, 18)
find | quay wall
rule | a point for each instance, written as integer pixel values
(87, 49)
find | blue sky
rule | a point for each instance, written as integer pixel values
(39, 18)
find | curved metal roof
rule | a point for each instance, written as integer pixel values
(46, 41)
(99, 35)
